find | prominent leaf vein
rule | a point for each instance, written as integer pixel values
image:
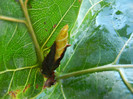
(12, 19)
(118, 56)
(63, 92)
(12, 34)
(27, 79)
(125, 80)
(57, 25)
(34, 82)
(18, 69)
(9, 87)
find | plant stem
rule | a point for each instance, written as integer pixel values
(96, 69)
(31, 32)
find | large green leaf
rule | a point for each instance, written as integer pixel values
(22, 41)
(99, 64)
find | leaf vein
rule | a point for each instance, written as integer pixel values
(12, 35)
(18, 69)
(57, 25)
(63, 92)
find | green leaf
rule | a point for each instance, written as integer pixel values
(51, 16)
(99, 64)
(27, 28)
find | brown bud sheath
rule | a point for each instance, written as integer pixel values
(57, 52)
